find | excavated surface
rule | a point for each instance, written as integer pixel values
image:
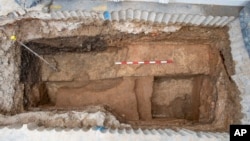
(195, 91)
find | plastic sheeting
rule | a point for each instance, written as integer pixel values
(245, 25)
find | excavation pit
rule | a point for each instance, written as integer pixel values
(195, 91)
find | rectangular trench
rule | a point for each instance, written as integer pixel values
(182, 93)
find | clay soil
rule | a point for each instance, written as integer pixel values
(194, 92)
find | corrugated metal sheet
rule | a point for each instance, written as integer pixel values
(242, 68)
(209, 2)
(242, 79)
(32, 132)
(148, 16)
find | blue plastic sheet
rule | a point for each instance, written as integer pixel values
(245, 26)
(28, 3)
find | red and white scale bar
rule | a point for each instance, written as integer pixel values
(144, 62)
